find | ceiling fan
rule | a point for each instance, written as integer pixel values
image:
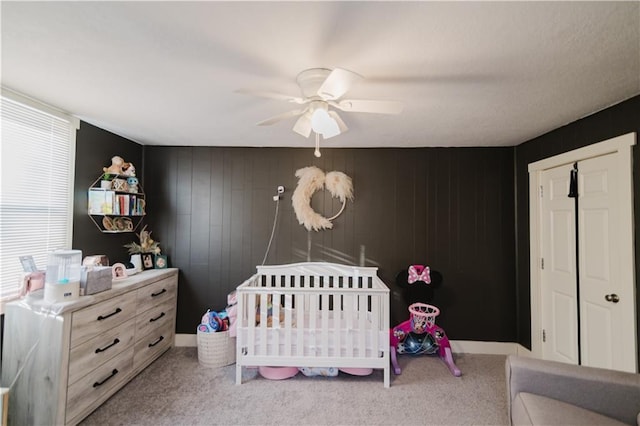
(322, 90)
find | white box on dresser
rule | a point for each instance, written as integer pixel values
(87, 349)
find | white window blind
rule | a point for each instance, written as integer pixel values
(37, 153)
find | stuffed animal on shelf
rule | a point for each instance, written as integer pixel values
(116, 166)
(132, 183)
(128, 169)
(419, 335)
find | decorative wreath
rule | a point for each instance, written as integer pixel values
(310, 180)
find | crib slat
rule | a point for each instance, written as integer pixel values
(300, 310)
(263, 324)
(250, 318)
(325, 321)
(313, 326)
(362, 317)
(275, 324)
(349, 307)
(376, 308)
(337, 322)
(288, 325)
(297, 281)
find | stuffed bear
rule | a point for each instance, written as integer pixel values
(116, 166)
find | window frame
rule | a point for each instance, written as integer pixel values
(74, 125)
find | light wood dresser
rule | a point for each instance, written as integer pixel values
(85, 350)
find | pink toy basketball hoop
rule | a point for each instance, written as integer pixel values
(423, 316)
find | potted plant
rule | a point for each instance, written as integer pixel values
(105, 183)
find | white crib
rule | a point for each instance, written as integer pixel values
(313, 314)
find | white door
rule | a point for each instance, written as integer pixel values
(607, 339)
(558, 268)
(587, 297)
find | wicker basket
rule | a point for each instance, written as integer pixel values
(216, 349)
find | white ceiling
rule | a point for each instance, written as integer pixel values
(469, 74)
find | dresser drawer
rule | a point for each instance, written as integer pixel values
(94, 320)
(88, 392)
(86, 356)
(152, 345)
(156, 293)
(155, 318)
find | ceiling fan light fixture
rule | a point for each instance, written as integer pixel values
(324, 124)
(343, 127)
(303, 125)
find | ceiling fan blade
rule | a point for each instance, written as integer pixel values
(338, 83)
(303, 125)
(343, 127)
(362, 105)
(280, 117)
(272, 95)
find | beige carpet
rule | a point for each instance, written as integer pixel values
(176, 390)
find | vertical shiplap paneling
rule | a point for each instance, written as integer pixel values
(411, 206)
(200, 225)
(216, 198)
(246, 216)
(226, 220)
(404, 238)
(263, 209)
(200, 205)
(421, 205)
(184, 190)
(351, 247)
(442, 207)
(167, 175)
(431, 158)
(237, 212)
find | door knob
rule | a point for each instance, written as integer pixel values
(612, 298)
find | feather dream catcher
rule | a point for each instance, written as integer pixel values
(310, 180)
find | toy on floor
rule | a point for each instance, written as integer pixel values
(419, 335)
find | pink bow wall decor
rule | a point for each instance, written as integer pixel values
(419, 273)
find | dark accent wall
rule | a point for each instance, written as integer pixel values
(614, 121)
(450, 208)
(94, 149)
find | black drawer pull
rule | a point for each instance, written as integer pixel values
(117, 311)
(157, 318)
(160, 339)
(115, 342)
(113, 373)
(164, 290)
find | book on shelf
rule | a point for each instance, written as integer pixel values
(101, 202)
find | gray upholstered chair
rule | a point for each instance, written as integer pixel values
(552, 393)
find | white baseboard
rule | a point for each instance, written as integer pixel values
(488, 348)
(522, 351)
(457, 346)
(186, 340)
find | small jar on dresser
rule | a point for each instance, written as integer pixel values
(83, 351)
